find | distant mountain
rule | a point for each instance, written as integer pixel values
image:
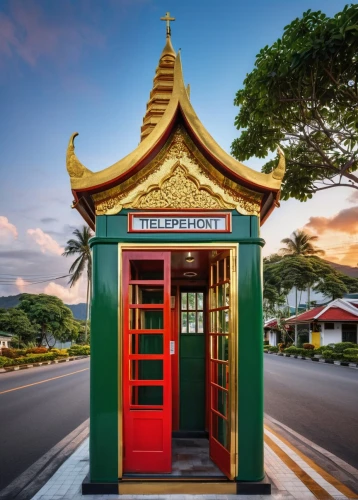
(78, 310)
(348, 270)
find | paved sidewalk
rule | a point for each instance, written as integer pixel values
(297, 468)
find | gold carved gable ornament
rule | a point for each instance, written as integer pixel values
(179, 178)
(179, 190)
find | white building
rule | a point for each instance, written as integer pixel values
(332, 323)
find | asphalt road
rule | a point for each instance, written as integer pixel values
(34, 419)
(319, 401)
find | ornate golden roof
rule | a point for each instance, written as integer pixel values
(169, 107)
(162, 90)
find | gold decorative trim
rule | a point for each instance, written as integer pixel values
(179, 150)
(279, 172)
(179, 190)
(74, 166)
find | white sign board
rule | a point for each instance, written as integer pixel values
(162, 222)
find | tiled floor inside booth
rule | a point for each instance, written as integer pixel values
(191, 458)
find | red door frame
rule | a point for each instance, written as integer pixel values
(147, 429)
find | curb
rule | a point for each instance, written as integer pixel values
(319, 360)
(25, 486)
(40, 363)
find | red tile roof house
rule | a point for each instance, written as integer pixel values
(272, 332)
(332, 323)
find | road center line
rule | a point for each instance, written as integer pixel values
(43, 381)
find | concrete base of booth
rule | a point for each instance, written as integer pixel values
(188, 486)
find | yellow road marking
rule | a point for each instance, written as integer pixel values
(43, 381)
(310, 483)
(328, 477)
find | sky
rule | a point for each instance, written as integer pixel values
(88, 66)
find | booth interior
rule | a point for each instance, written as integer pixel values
(178, 354)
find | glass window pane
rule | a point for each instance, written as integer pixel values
(184, 302)
(221, 270)
(147, 395)
(147, 344)
(184, 322)
(191, 301)
(200, 322)
(226, 321)
(212, 298)
(140, 319)
(147, 369)
(221, 295)
(213, 274)
(200, 299)
(147, 270)
(227, 294)
(227, 268)
(220, 430)
(213, 322)
(192, 322)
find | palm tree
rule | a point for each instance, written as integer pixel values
(80, 246)
(300, 243)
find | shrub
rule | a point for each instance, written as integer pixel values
(322, 348)
(341, 346)
(351, 355)
(79, 350)
(308, 346)
(37, 350)
(272, 348)
(10, 353)
(5, 361)
(351, 351)
(60, 352)
(292, 350)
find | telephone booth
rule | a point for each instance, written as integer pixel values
(176, 314)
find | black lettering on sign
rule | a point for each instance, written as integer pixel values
(153, 223)
(200, 223)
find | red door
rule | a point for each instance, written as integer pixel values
(147, 398)
(220, 439)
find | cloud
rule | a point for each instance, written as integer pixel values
(7, 230)
(346, 221)
(48, 220)
(73, 295)
(348, 257)
(353, 198)
(46, 243)
(31, 34)
(21, 284)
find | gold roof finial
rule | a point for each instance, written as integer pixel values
(167, 18)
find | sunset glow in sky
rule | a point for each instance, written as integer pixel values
(88, 66)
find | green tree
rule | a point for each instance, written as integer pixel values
(331, 287)
(300, 243)
(80, 246)
(49, 316)
(15, 321)
(303, 94)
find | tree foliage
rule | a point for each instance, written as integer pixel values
(15, 321)
(50, 317)
(300, 243)
(303, 94)
(80, 246)
(282, 273)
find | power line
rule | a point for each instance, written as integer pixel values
(34, 282)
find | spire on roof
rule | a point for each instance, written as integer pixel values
(162, 84)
